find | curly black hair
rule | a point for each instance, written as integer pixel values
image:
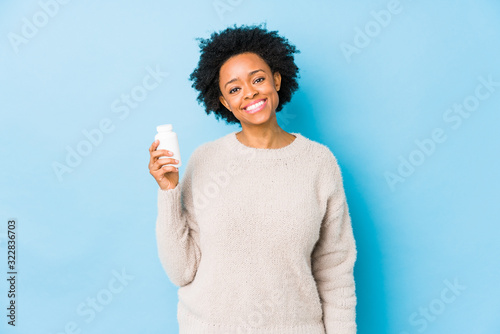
(275, 50)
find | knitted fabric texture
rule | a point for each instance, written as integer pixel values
(259, 240)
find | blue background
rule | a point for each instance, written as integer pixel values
(436, 227)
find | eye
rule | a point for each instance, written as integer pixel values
(257, 80)
(233, 90)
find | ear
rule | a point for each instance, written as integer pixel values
(224, 102)
(277, 80)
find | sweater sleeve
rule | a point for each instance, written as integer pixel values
(177, 232)
(333, 259)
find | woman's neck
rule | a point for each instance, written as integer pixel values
(265, 139)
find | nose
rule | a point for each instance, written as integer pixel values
(250, 91)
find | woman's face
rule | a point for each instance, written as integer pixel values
(249, 89)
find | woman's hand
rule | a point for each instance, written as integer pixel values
(166, 176)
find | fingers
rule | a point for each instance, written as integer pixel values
(160, 163)
(161, 153)
(155, 154)
(155, 164)
(162, 173)
(169, 169)
(153, 146)
(160, 168)
(158, 153)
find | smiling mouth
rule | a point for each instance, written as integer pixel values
(255, 107)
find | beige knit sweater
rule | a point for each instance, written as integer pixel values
(259, 241)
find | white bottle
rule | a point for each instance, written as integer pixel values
(168, 141)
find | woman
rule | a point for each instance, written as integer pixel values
(257, 235)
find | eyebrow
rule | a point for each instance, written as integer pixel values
(249, 74)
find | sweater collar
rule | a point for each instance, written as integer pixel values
(295, 147)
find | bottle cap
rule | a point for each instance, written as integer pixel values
(163, 128)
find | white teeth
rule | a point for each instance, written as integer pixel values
(256, 105)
